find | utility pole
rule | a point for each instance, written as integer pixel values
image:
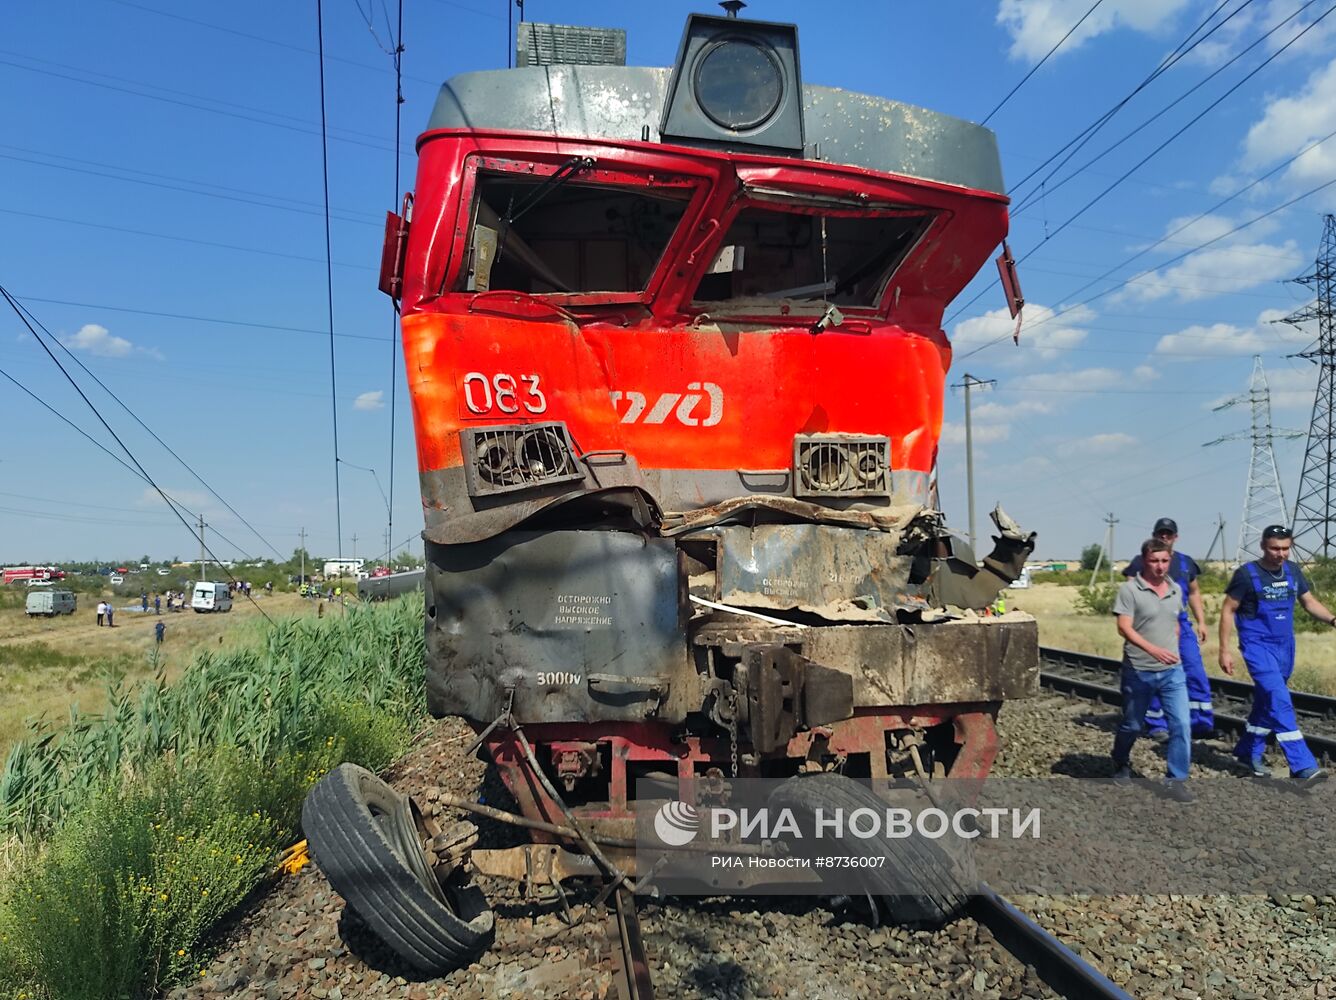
(354, 546)
(302, 550)
(1219, 536)
(1263, 500)
(202, 526)
(1315, 503)
(968, 383)
(1110, 520)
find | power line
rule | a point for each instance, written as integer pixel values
(1089, 132)
(200, 319)
(329, 277)
(107, 451)
(1041, 62)
(153, 434)
(1029, 199)
(178, 239)
(1172, 260)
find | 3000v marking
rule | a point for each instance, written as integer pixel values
(484, 393)
(559, 677)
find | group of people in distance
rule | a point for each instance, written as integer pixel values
(1166, 694)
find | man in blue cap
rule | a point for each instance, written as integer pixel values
(1262, 595)
(1183, 570)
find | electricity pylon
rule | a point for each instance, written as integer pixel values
(1263, 500)
(1314, 515)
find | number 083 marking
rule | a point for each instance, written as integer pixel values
(507, 393)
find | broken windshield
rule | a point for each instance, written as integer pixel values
(789, 255)
(576, 237)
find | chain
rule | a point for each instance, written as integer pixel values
(733, 731)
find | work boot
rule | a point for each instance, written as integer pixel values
(1158, 735)
(1179, 791)
(1310, 776)
(1255, 767)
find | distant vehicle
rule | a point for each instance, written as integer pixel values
(50, 603)
(41, 583)
(343, 567)
(382, 588)
(1021, 582)
(116, 578)
(163, 571)
(211, 597)
(143, 566)
(14, 574)
(381, 571)
(122, 570)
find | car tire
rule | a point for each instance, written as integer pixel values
(355, 826)
(922, 883)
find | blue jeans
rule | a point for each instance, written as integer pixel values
(1171, 686)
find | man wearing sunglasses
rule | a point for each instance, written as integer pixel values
(1262, 595)
(1183, 570)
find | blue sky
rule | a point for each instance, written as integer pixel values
(160, 200)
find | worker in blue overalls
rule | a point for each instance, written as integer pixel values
(1262, 595)
(1183, 570)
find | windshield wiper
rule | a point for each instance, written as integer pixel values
(575, 165)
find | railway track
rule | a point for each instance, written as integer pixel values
(1096, 677)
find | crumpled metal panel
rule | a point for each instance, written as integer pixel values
(619, 102)
(838, 573)
(583, 625)
(943, 663)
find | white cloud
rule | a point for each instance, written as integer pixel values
(1082, 380)
(191, 498)
(1098, 444)
(1225, 338)
(1036, 26)
(370, 401)
(98, 340)
(991, 412)
(1290, 123)
(1217, 270)
(986, 434)
(1146, 373)
(1040, 332)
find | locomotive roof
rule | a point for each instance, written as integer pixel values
(618, 102)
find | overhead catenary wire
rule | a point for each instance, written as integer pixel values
(1183, 48)
(1035, 67)
(329, 277)
(1158, 149)
(107, 451)
(4, 292)
(1029, 200)
(152, 433)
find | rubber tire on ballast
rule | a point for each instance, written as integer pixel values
(921, 884)
(356, 856)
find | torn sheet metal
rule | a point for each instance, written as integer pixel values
(841, 574)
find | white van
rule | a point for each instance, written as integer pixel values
(51, 603)
(211, 597)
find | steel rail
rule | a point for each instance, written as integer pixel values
(1316, 707)
(1305, 703)
(1066, 973)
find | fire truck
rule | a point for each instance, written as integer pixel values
(27, 574)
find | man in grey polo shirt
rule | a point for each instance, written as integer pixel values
(1147, 609)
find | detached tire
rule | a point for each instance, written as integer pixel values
(922, 884)
(362, 836)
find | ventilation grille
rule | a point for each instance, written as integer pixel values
(556, 44)
(841, 466)
(502, 459)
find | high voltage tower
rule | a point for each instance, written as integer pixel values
(1314, 516)
(1264, 500)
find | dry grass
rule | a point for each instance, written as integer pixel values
(1060, 625)
(48, 665)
